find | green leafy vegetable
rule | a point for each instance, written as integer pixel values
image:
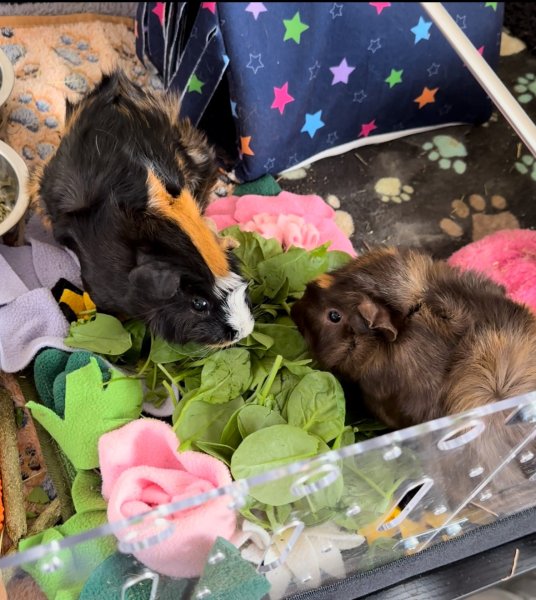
(287, 340)
(272, 447)
(138, 335)
(317, 405)
(345, 438)
(231, 436)
(225, 375)
(104, 334)
(337, 259)
(258, 405)
(297, 266)
(219, 451)
(204, 421)
(253, 417)
(371, 485)
(163, 352)
(253, 249)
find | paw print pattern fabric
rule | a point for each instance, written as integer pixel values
(307, 80)
(55, 62)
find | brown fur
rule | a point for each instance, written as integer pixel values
(422, 341)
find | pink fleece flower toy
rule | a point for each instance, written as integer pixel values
(141, 470)
(507, 257)
(294, 220)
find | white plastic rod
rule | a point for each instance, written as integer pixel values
(484, 74)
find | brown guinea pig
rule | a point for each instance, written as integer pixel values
(422, 339)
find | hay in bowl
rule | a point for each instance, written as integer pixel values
(13, 196)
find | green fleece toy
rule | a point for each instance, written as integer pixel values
(96, 400)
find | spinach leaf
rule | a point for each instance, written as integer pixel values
(230, 435)
(225, 375)
(337, 259)
(253, 417)
(203, 421)
(280, 297)
(138, 333)
(252, 250)
(288, 341)
(345, 438)
(296, 265)
(269, 448)
(104, 335)
(368, 428)
(219, 451)
(317, 405)
(260, 369)
(284, 384)
(164, 352)
(370, 484)
(192, 381)
(257, 340)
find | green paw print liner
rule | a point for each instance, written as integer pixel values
(527, 165)
(526, 88)
(448, 152)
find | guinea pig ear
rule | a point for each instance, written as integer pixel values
(378, 317)
(158, 282)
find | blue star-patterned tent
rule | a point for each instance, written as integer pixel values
(310, 79)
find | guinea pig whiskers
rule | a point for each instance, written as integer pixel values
(223, 345)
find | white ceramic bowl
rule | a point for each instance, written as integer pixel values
(7, 78)
(12, 164)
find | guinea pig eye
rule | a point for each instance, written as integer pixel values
(334, 316)
(199, 304)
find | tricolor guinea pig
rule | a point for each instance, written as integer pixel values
(126, 191)
(421, 339)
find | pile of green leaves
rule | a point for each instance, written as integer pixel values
(256, 406)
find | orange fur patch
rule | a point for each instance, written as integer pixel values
(184, 211)
(324, 281)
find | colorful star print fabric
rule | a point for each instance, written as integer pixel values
(305, 78)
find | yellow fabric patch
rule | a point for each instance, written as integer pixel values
(88, 302)
(79, 304)
(408, 528)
